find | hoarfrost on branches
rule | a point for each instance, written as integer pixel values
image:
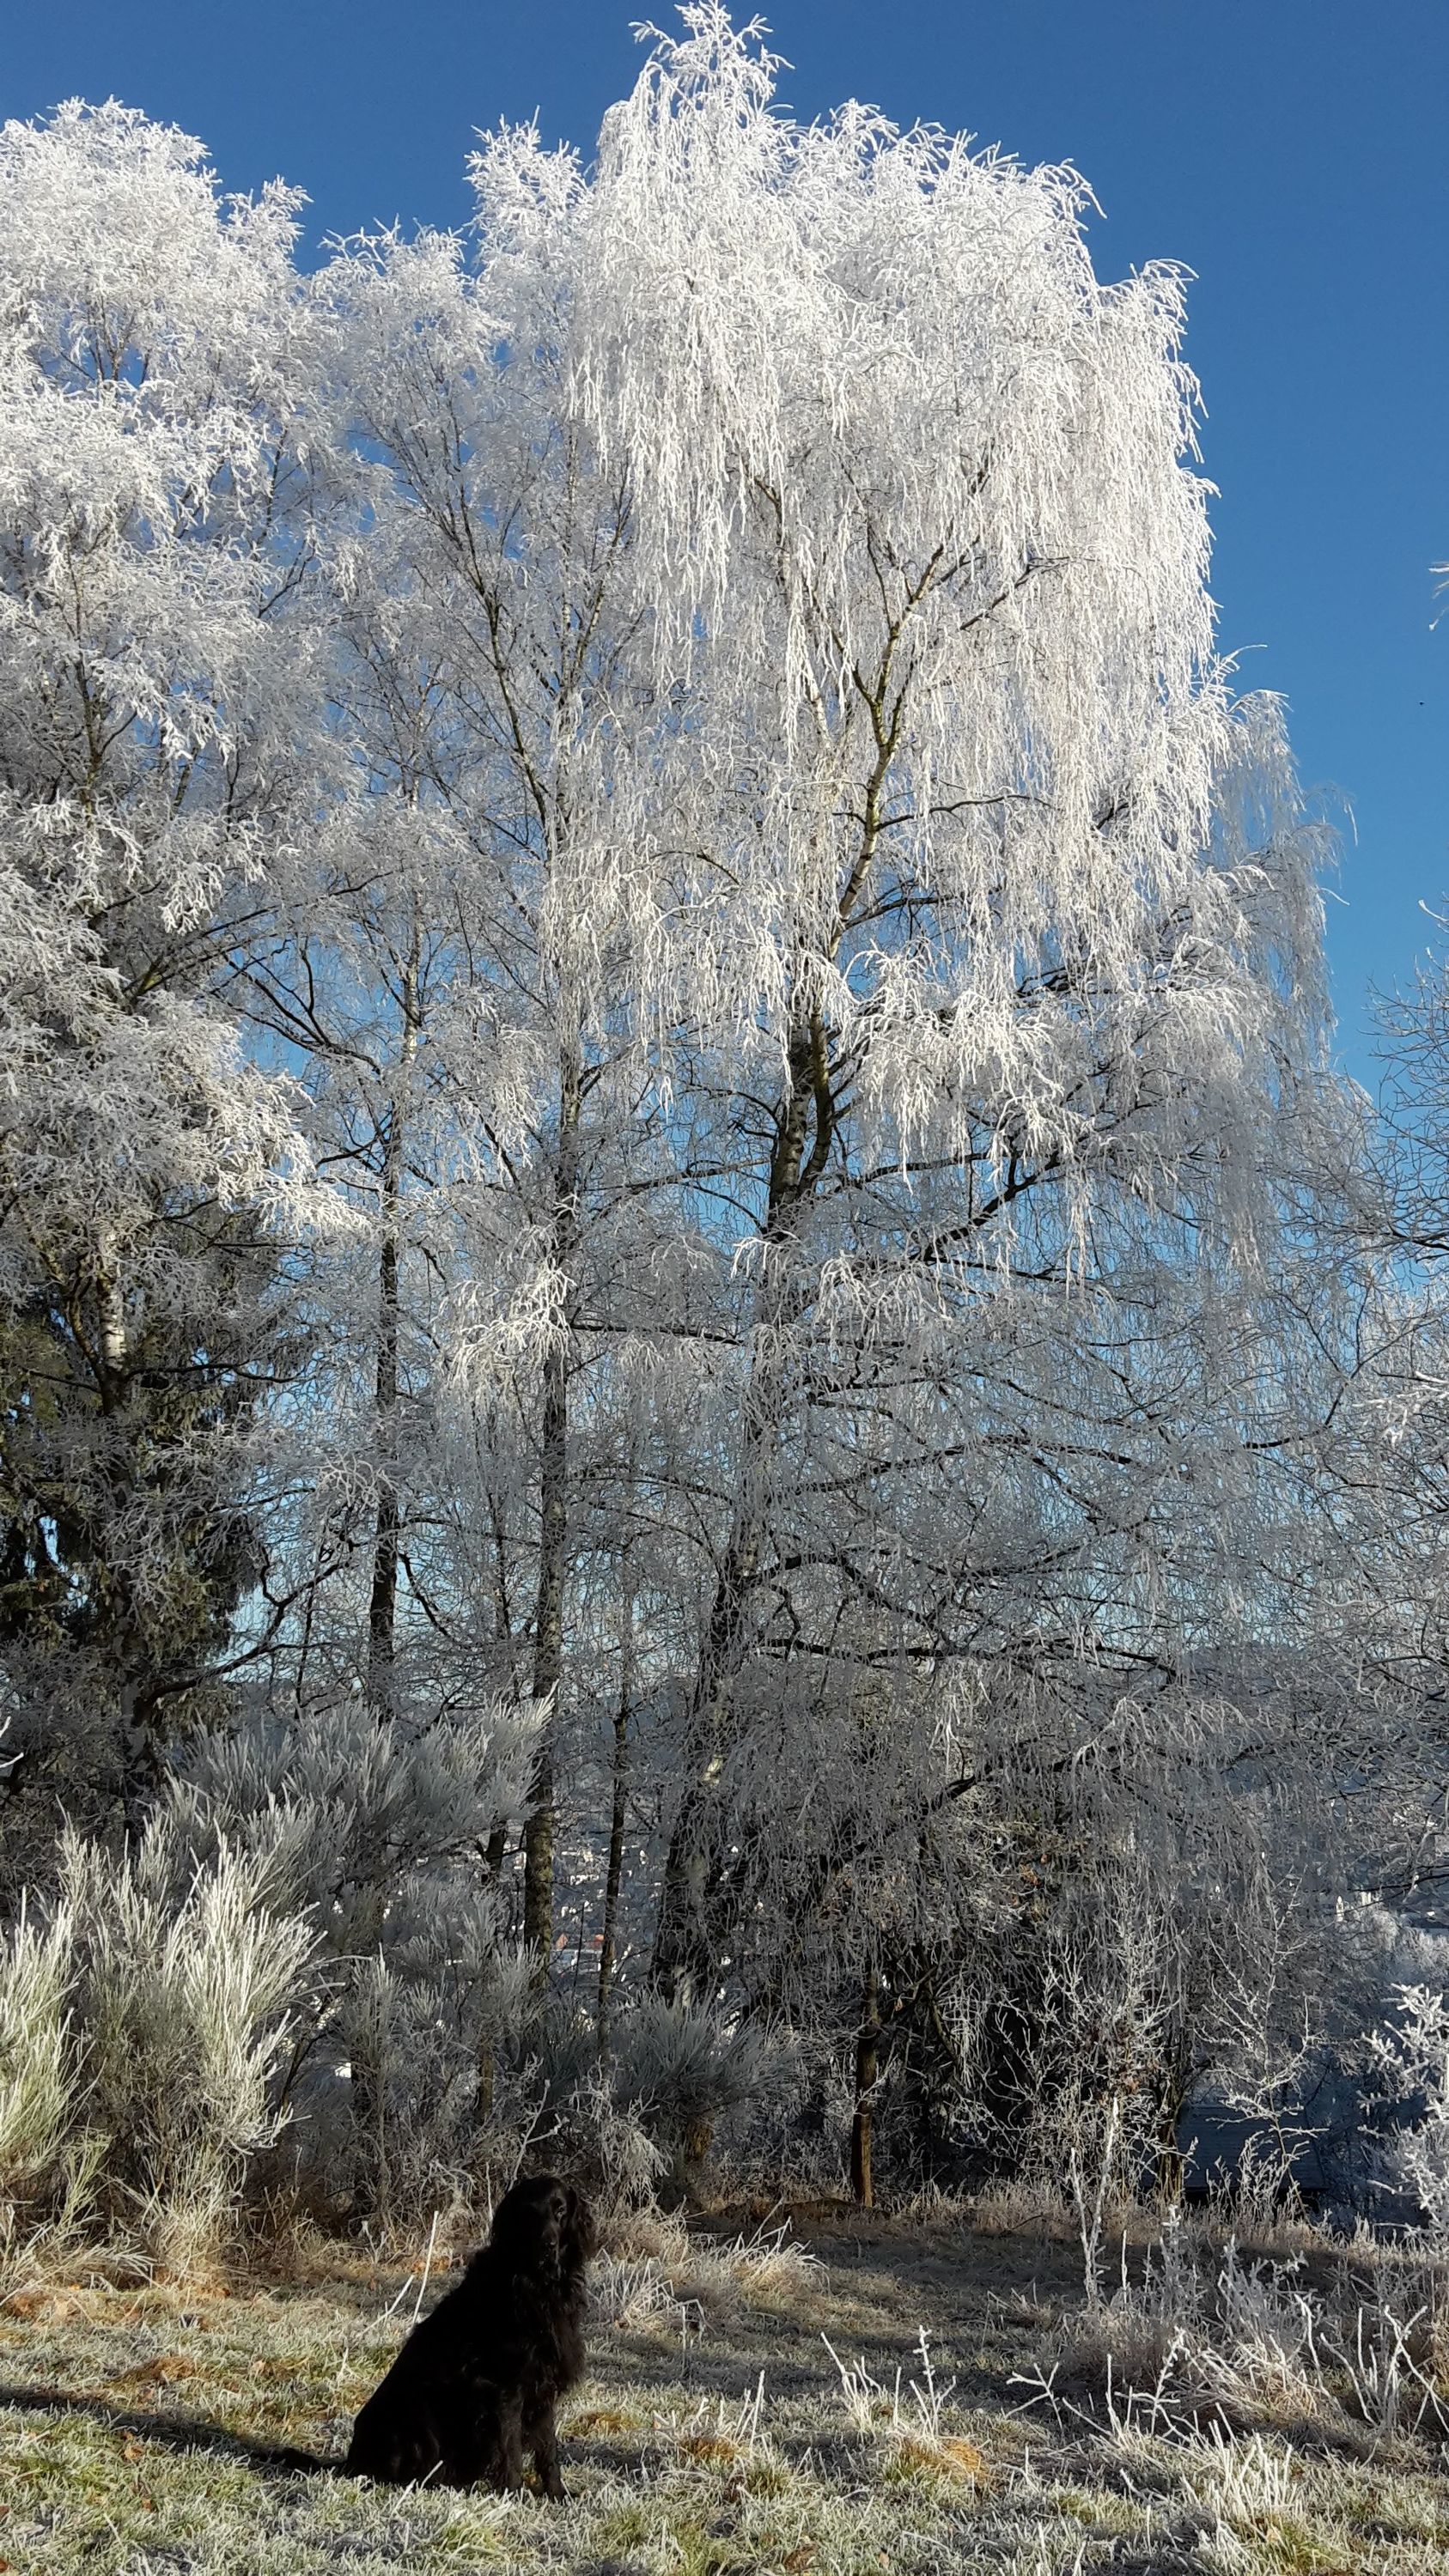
(682, 1277)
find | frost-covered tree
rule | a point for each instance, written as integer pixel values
(153, 746)
(504, 710)
(999, 948)
(671, 750)
(882, 961)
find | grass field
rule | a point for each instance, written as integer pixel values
(717, 2431)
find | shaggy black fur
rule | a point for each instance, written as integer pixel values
(476, 2384)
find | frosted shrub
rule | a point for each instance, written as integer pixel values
(374, 1825)
(363, 1815)
(1091, 2072)
(684, 2069)
(39, 2051)
(189, 2004)
(636, 2290)
(441, 2100)
(147, 2027)
(1264, 2329)
(607, 2141)
(1412, 2059)
(1145, 2325)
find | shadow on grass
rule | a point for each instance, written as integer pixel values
(175, 2432)
(183, 2433)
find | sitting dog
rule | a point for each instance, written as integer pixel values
(476, 2383)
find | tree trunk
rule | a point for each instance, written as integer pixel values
(1174, 2085)
(691, 1928)
(867, 2068)
(690, 1932)
(114, 1340)
(382, 1606)
(133, 1665)
(538, 1838)
(615, 1878)
(687, 1942)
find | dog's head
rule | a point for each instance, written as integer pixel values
(544, 2225)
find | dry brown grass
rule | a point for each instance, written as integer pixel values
(130, 2405)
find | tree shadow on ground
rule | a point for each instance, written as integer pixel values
(175, 2432)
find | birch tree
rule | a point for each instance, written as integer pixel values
(544, 771)
(993, 950)
(882, 930)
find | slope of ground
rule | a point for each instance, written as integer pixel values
(759, 2411)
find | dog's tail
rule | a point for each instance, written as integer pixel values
(294, 2463)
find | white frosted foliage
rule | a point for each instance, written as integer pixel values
(663, 762)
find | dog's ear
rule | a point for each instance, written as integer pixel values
(516, 2222)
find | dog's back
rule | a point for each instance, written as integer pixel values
(434, 2404)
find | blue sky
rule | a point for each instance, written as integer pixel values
(1292, 152)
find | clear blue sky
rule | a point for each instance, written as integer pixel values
(1294, 153)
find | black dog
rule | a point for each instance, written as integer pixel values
(476, 2384)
